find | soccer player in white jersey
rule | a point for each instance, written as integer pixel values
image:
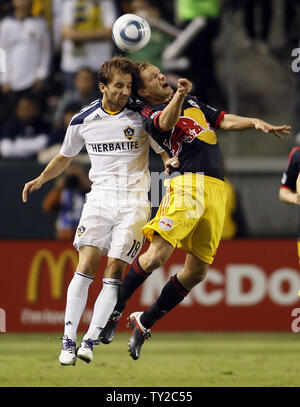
(117, 207)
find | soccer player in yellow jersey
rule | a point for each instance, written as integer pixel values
(191, 214)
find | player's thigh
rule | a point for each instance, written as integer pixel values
(205, 239)
(95, 225)
(193, 272)
(89, 258)
(126, 237)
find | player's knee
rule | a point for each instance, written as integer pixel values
(114, 270)
(115, 273)
(200, 274)
(157, 260)
(87, 268)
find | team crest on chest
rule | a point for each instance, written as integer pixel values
(129, 133)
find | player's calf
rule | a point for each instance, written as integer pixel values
(157, 254)
(193, 273)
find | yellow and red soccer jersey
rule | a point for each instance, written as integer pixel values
(290, 176)
(193, 139)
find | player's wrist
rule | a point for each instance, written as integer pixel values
(180, 94)
(253, 122)
(41, 180)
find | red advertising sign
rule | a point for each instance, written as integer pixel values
(252, 285)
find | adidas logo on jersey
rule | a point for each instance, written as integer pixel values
(96, 117)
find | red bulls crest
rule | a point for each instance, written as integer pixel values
(185, 131)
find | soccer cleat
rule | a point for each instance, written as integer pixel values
(85, 349)
(67, 355)
(108, 332)
(138, 335)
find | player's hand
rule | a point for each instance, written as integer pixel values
(171, 163)
(296, 199)
(184, 87)
(31, 186)
(269, 128)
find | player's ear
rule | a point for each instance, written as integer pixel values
(102, 87)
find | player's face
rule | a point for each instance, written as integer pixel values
(157, 89)
(117, 92)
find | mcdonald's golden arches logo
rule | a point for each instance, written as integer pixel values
(56, 269)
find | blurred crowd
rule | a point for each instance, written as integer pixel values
(53, 49)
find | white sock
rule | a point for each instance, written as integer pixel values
(76, 301)
(104, 306)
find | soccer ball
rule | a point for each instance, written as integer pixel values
(131, 32)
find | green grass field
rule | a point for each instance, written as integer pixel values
(167, 359)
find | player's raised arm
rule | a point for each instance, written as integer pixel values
(233, 122)
(55, 167)
(170, 115)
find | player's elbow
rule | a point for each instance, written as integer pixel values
(165, 124)
(280, 195)
(227, 123)
(283, 195)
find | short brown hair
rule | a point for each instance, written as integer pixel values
(119, 64)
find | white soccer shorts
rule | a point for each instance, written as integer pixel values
(115, 229)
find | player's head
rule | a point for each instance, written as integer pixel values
(115, 82)
(152, 85)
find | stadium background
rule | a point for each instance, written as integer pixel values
(253, 284)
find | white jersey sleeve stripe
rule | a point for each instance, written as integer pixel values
(78, 119)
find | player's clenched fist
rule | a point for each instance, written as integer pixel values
(184, 87)
(173, 162)
(31, 186)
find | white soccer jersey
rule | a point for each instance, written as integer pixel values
(118, 148)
